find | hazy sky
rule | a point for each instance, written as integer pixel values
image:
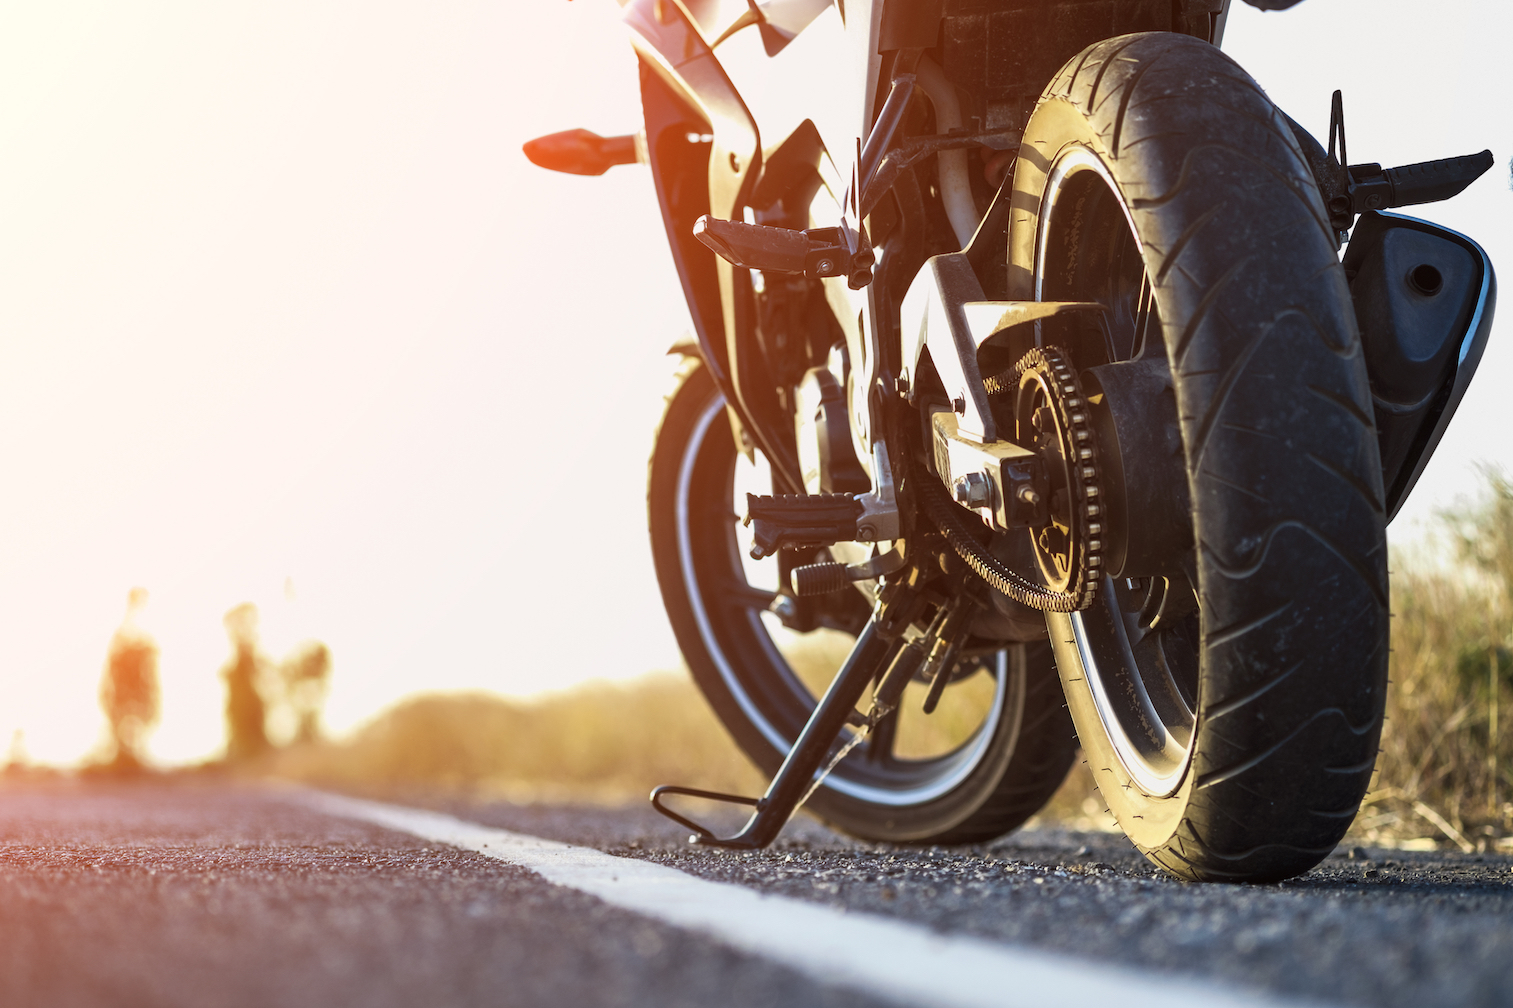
(284, 307)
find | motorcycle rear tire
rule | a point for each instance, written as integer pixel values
(1279, 453)
(992, 786)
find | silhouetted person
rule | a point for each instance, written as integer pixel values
(307, 675)
(246, 713)
(129, 688)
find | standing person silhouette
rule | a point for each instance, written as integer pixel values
(306, 679)
(246, 712)
(129, 688)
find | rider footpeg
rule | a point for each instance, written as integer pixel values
(818, 252)
(788, 521)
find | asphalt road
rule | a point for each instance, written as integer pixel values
(211, 894)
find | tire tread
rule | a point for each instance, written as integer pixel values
(1290, 523)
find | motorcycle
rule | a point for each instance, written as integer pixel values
(1033, 408)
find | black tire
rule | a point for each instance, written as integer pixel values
(994, 780)
(1289, 647)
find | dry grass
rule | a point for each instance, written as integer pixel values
(605, 742)
(1446, 758)
(1445, 772)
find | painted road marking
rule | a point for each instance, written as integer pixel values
(881, 956)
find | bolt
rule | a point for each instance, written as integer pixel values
(1028, 495)
(972, 490)
(824, 266)
(959, 405)
(901, 385)
(866, 533)
(1374, 200)
(784, 607)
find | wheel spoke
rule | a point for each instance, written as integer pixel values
(1144, 308)
(744, 596)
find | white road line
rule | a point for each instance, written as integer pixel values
(885, 957)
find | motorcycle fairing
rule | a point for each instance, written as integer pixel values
(674, 54)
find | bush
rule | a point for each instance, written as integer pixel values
(600, 741)
(1445, 762)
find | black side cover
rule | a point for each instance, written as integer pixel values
(1423, 298)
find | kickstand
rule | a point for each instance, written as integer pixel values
(791, 786)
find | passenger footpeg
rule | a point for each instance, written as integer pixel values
(1350, 190)
(818, 252)
(794, 520)
(1372, 187)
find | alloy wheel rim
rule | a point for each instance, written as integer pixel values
(1143, 678)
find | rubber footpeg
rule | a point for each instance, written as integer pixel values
(787, 521)
(819, 579)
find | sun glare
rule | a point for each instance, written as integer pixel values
(283, 300)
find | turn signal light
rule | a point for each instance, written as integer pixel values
(580, 152)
